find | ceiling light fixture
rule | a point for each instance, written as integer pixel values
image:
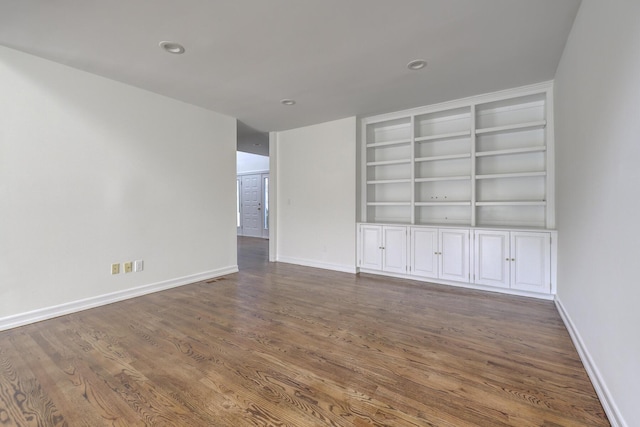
(172, 47)
(417, 64)
(287, 102)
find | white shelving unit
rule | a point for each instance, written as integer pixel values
(485, 161)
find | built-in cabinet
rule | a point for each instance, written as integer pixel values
(513, 259)
(384, 248)
(517, 262)
(484, 161)
(471, 183)
(439, 253)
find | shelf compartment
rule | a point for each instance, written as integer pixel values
(390, 214)
(511, 175)
(443, 215)
(447, 157)
(391, 171)
(451, 135)
(389, 162)
(447, 167)
(390, 143)
(524, 139)
(389, 192)
(511, 151)
(444, 178)
(442, 192)
(389, 132)
(511, 215)
(540, 124)
(439, 124)
(520, 191)
(500, 115)
(511, 163)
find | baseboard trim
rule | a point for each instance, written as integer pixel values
(317, 264)
(34, 316)
(609, 405)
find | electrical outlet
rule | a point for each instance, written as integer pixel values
(138, 265)
(115, 268)
(128, 267)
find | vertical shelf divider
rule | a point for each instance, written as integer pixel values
(550, 161)
(472, 181)
(413, 169)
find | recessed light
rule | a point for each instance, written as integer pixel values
(287, 101)
(417, 64)
(172, 47)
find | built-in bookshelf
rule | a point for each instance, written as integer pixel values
(481, 161)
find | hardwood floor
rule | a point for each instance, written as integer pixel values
(283, 345)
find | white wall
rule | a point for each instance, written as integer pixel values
(247, 162)
(316, 195)
(598, 199)
(94, 172)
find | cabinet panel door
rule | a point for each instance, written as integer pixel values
(424, 245)
(491, 259)
(370, 247)
(394, 254)
(454, 254)
(530, 261)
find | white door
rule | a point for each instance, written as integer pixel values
(491, 262)
(251, 206)
(370, 247)
(424, 252)
(265, 205)
(530, 261)
(454, 254)
(394, 252)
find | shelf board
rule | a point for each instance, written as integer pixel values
(389, 162)
(508, 128)
(389, 181)
(388, 143)
(443, 136)
(443, 203)
(444, 178)
(448, 157)
(388, 203)
(511, 151)
(514, 203)
(511, 175)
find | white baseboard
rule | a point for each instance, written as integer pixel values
(609, 405)
(317, 264)
(87, 303)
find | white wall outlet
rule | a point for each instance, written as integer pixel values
(138, 265)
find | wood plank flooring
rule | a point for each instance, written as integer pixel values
(283, 345)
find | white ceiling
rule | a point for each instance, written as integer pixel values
(336, 58)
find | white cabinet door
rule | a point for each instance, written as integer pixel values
(424, 252)
(394, 252)
(454, 254)
(371, 247)
(530, 261)
(491, 258)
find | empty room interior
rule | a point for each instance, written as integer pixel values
(319, 213)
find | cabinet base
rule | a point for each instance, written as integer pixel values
(507, 291)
